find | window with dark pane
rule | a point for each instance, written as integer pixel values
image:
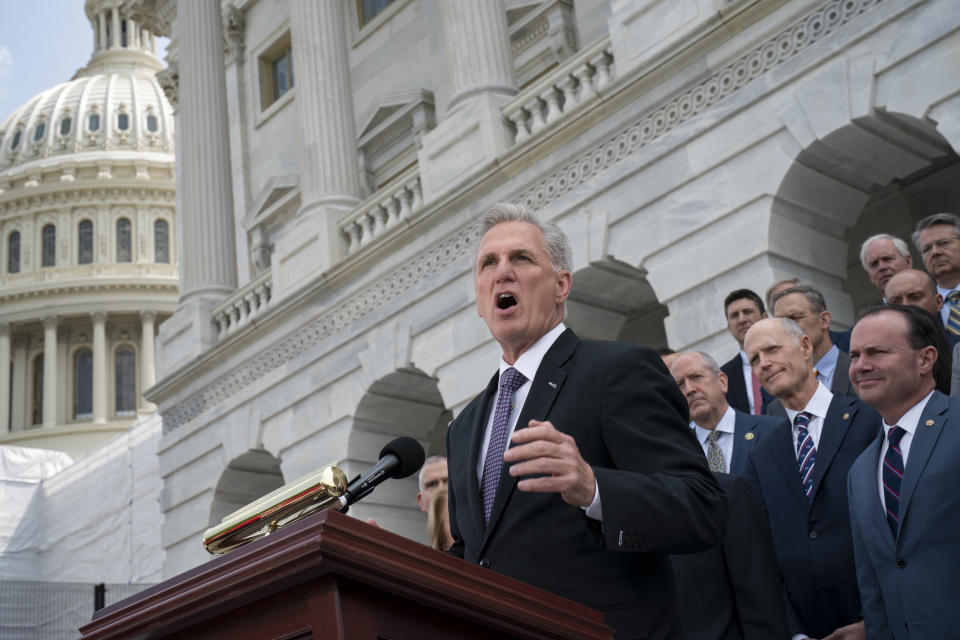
(36, 414)
(48, 246)
(161, 241)
(65, 125)
(13, 253)
(126, 382)
(123, 240)
(83, 384)
(370, 9)
(152, 124)
(93, 123)
(282, 69)
(38, 131)
(123, 122)
(85, 242)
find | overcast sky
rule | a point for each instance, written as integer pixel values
(42, 43)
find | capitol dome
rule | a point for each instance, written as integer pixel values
(87, 259)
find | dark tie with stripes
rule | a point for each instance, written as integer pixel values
(892, 477)
(806, 452)
(510, 381)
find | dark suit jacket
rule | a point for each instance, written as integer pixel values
(748, 430)
(839, 386)
(841, 339)
(812, 538)
(736, 388)
(733, 591)
(658, 497)
(910, 587)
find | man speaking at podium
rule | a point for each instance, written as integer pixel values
(602, 477)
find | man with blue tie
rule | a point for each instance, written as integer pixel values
(800, 473)
(904, 503)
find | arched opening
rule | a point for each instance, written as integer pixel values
(880, 173)
(612, 300)
(248, 477)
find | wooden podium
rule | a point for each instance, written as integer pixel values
(332, 577)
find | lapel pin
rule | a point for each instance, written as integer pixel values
(929, 423)
(748, 436)
(552, 384)
(846, 416)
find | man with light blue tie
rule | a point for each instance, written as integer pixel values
(904, 503)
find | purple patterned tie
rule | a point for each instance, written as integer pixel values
(892, 477)
(510, 381)
(806, 452)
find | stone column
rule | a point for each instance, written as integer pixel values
(148, 366)
(478, 48)
(133, 35)
(49, 371)
(329, 172)
(207, 260)
(4, 377)
(99, 367)
(115, 40)
(479, 64)
(102, 24)
(20, 373)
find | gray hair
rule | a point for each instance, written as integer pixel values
(426, 463)
(898, 244)
(554, 239)
(793, 282)
(933, 220)
(793, 331)
(814, 297)
(709, 363)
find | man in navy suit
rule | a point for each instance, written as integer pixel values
(603, 476)
(918, 288)
(903, 495)
(732, 591)
(742, 309)
(800, 472)
(728, 434)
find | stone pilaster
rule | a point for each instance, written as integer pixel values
(329, 173)
(20, 373)
(49, 371)
(148, 365)
(99, 367)
(114, 35)
(480, 67)
(4, 377)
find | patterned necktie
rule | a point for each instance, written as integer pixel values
(892, 477)
(953, 316)
(806, 452)
(715, 453)
(510, 381)
(757, 394)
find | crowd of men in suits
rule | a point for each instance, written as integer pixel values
(846, 441)
(805, 489)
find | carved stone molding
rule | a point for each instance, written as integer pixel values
(154, 15)
(169, 80)
(786, 44)
(233, 28)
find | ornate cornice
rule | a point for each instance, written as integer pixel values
(86, 195)
(155, 15)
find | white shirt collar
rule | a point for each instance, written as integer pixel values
(725, 425)
(818, 405)
(909, 421)
(529, 361)
(743, 359)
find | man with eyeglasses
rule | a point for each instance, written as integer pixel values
(938, 239)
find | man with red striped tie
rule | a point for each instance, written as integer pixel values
(904, 504)
(800, 472)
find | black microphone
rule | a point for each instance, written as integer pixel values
(398, 459)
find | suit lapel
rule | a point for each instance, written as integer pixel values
(835, 426)
(786, 457)
(543, 392)
(841, 375)
(478, 425)
(742, 444)
(921, 447)
(869, 497)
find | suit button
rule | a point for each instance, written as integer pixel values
(484, 562)
(814, 535)
(901, 563)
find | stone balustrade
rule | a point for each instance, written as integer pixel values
(578, 82)
(87, 273)
(383, 211)
(245, 305)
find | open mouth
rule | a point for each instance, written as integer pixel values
(505, 301)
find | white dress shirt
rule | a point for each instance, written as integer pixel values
(747, 379)
(725, 438)
(908, 422)
(817, 407)
(528, 363)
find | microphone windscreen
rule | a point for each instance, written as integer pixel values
(408, 451)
